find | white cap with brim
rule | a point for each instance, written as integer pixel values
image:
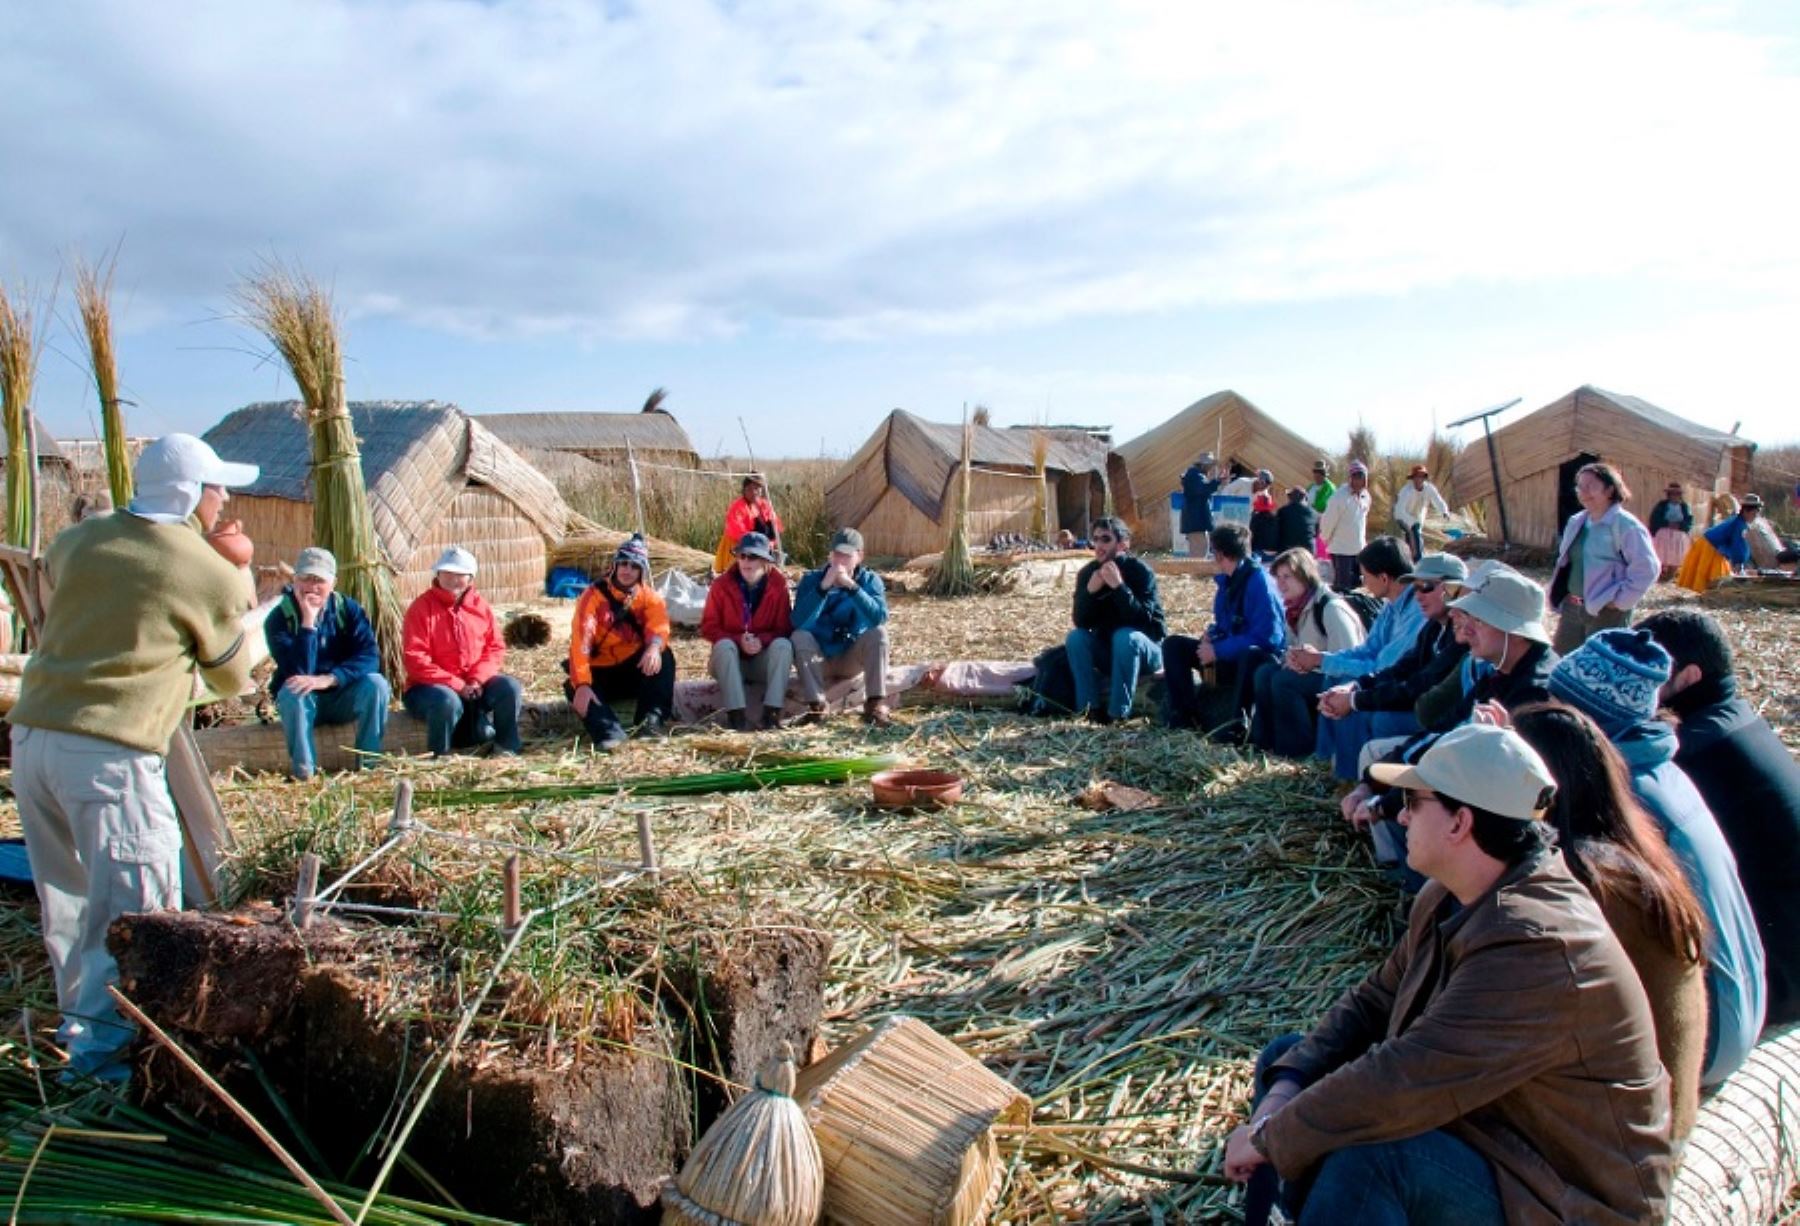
(1507, 601)
(456, 560)
(1484, 767)
(174, 470)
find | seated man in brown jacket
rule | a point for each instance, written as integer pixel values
(1500, 1065)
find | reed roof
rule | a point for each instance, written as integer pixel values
(1620, 429)
(417, 456)
(591, 432)
(1225, 423)
(918, 458)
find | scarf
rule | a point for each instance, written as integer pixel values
(1295, 609)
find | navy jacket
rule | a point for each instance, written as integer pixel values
(1196, 500)
(1296, 527)
(342, 642)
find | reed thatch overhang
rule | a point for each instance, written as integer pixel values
(435, 477)
(1649, 445)
(1225, 423)
(654, 436)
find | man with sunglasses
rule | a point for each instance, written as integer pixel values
(1119, 626)
(1500, 1065)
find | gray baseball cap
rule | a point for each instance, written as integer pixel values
(316, 562)
(847, 538)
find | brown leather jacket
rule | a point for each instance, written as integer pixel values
(1515, 1024)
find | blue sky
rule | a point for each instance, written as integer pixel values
(804, 215)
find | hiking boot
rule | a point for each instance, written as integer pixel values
(1098, 715)
(876, 713)
(771, 720)
(815, 715)
(611, 739)
(735, 720)
(652, 728)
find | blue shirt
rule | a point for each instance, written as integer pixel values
(1392, 636)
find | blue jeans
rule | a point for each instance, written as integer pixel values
(1341, 740)
(452, 721)
(363, 702)
(1432, 1177)
(1121, 654)
(1286, 703)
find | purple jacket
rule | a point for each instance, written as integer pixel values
(1620, 558)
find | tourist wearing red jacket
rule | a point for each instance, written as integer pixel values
(748, 619)
(452, 650)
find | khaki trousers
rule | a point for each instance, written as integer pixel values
(868, 656)
(1574, 624)
(104, 841)
(730, 667)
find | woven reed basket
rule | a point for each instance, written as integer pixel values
(903, 1119)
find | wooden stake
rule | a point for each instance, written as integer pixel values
(402, 821)
(514, 916)
(306, 889)
(646, 847)
(262, 1134)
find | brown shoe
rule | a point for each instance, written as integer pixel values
(815, 715)
(876, 713)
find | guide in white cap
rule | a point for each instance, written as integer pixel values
(142, 600)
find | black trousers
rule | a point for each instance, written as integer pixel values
(655, 695)
(1188, 704)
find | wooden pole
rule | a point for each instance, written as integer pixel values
(510, 876)
(306, 890)
(637, 496)
(646, 846)
(262, 1134)
(1499, 493)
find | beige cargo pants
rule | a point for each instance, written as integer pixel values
(771, 666)
(104, 840)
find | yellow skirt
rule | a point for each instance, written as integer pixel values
(1703, 567)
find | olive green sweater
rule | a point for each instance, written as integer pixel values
(136, 606)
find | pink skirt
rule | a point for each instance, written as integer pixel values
(1672, 546)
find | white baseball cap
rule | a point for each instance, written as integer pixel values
(456, 560)
(171, 473)
(1482, 766)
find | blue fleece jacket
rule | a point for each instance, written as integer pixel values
(838, 618)
(1247, 613)
(1735, 992)
(1396, 628)
(342, 642)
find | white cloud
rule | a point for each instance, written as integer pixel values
(684, 169)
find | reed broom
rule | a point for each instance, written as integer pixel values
(93, 297)
(1040, 463)
(955, 571)
(18, 366)
(296, 316)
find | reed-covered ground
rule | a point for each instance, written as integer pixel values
(1120, 968)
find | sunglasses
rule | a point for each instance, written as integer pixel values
(1426, 587)
(1102, 540)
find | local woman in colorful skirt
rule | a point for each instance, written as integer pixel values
(1721, 550)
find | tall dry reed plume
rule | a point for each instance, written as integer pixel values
(93, 297)
(1040, 507)
(296, 316)
(18, 367)
(954, 575)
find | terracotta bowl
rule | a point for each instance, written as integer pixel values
(916, 789)
(229, 539)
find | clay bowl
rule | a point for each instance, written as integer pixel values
(916, 789)
(229, 539)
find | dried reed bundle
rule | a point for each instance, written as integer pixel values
(1040, 508)
(296, 316)
(758, 1165)
(904, 1117)
(18, 367)
(592, 549)
(93, 297)
(954, 574)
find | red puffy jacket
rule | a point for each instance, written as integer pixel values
(726, 618)
(450, 640)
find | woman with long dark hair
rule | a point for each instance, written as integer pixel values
(1615, 849)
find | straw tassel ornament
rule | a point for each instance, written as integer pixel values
(758, 1165)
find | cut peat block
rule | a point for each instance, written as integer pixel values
(587, 1136)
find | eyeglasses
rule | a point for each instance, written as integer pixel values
(1416, 799)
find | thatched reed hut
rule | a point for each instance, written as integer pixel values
(436, 477)
(654, 437)
(1225, 423)
(896, 488)
(1540, 453)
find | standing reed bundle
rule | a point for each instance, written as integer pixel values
(758, 1165)
(296, 316)
(955, 571)
(1040, 509)
(93, 297)
(18, 366)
